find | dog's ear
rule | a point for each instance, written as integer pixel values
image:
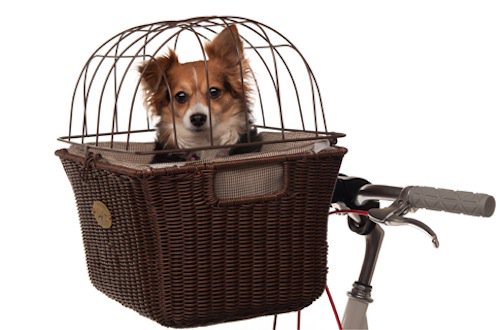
(154, 80)
(226, 46)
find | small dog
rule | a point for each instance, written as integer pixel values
(201, 102)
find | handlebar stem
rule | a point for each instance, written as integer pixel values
(373, 245)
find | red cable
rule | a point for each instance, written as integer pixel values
(362, 212)
(339, 323)
(298, 320)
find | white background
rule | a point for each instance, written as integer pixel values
(414, 84)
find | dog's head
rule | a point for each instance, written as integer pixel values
(201, 98)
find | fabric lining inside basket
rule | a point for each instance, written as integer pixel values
(140, 161)
(230, 183)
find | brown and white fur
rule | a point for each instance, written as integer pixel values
(183, 93)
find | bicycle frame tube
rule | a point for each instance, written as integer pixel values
(360, 295)
(355, 315)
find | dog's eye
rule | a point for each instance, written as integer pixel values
(181, 97)
(214, 92)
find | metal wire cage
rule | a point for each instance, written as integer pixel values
(108, 102)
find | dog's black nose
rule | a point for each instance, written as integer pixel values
(198, 119)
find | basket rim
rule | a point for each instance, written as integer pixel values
(331, 136)
(95, 160)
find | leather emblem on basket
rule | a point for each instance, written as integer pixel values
(101, 214)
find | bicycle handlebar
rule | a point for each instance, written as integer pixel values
(451, 201)
(469, 203)
(408, 199)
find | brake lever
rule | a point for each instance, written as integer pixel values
(393, 215)
(397, 221)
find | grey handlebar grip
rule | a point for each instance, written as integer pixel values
(451, 201)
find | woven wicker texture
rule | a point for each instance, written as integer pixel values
(180, 255)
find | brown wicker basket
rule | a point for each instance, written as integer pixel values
(178, 254)
(201, 242)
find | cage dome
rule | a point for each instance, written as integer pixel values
(108, 103)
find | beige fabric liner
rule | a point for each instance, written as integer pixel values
(249, 181)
